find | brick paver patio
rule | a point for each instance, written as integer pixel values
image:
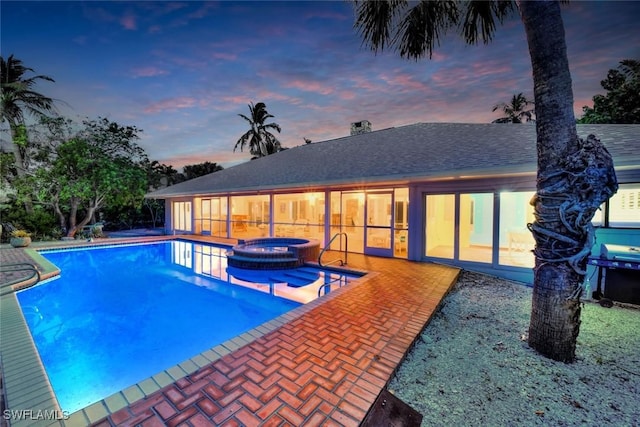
(324, 368)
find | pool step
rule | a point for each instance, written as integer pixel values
(295, 278)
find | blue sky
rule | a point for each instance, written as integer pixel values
(182, 71)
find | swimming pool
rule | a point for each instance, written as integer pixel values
(121, 314)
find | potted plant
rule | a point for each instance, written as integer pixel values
(20, 238)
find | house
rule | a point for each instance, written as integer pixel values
(446, 192)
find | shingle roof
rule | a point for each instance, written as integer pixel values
(418, 151)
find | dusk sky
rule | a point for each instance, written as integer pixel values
(182, 71)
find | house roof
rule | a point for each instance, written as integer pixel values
(422, 151)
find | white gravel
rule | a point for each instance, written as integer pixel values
(472, 366)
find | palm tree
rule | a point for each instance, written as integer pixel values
(17, 99)
(259, 138)
(515, 111)
(564, 203)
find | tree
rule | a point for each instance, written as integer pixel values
(566, 195)
(621, 104)
(200, 169)
(516, 111)
(259, 138)
(17, 100)
(96, 166)
(160, 175)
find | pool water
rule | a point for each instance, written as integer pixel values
(119, 315)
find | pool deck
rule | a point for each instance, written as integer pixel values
(325, 365)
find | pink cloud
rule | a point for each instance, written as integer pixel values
(438, 56)
(148, 72)
(492, 70)
(224, 55)
(171, 104)
(224, 158)
(407, 81)
(236, 99)
(129, 22)
(347, 95)
(309, 86)
(268, 96)
(450, 77)
(364, 83)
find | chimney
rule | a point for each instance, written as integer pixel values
(363, 126)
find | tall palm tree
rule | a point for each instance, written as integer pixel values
(516, 111)
(564, 203)
(18, 99)
(259, 138)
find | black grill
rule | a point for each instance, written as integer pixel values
(619, 273)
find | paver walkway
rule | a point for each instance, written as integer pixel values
(324, 368)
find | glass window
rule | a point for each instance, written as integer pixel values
(352, 219)
(206, 215)
(249, 216)
(299, 215)
(379, 220)
(182, 216)
(219, 217)
(516, 241)
(203, 216)
(476, 227)
(440, 225)
(624, 207)
(335, 211)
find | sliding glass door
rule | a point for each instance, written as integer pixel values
(379, 224)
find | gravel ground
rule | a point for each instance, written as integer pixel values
(472, 366)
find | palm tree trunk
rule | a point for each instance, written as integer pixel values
(555, 312)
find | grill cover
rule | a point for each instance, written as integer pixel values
(620, 253)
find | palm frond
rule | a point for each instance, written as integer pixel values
(480, 19)
(273, 126)
(17, 94)
(374, 20)
(423, 26)
(414, 29)
(242, 141)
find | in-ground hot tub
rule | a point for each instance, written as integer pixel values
(273, 253)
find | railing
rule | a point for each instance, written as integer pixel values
(346, 249)
(21, 266)
(327, 286)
